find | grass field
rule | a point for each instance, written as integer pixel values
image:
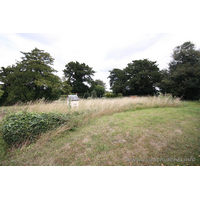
(137, 132)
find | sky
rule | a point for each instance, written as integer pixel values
(102, 34)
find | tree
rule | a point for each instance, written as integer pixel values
(31, 79)
(4, 73)
(99, 82)
(182, 79)
(86, 95)
(93, 94)
(138, 78)
(99, 86)
(66, 88)
(142, 76)
(117, 81)
(100, 91)
(1, 91)
(79, 75)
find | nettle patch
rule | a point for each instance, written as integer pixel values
(19, 127)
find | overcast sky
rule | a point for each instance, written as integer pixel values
(102, 34)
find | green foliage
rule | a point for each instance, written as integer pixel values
(19, 127)
(182, 79)
(77, 75)
(113, 95)
(120, 95)
(93, 94)
(110, 95)
(86, 95)
(99, 87)
(100, 83)
(117, 81)
(1, 91)
(31, 79)
(100, 91)
(142, 75)
(138, 78)
(66, 88)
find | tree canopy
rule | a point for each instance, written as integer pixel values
(117, 81)
(79, 76)
(31, 78)
(99, 87)
(100, 83)
(138, 78)
(182, 79)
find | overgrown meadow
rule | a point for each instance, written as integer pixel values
(24, 123)
(39, 126)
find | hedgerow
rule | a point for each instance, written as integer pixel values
(20, 126)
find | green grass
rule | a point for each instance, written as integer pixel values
(152, 137)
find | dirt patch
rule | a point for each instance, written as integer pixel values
(87, 139)
(67, 146)
(158, 144)
(119, 139)
(178, 131)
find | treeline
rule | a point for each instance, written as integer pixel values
(33, 78)
(143, 77)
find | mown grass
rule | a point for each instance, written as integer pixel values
(154, 136)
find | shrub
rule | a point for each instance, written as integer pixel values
(86, 95)
(119, 95)
(110, 95)
(19, 127)
(93, 94)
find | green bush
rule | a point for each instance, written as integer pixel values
(19, 127)
(119, 95)
(93, 94)
(110, 95)
(86, 95)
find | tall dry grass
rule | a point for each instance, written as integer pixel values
(100, 106)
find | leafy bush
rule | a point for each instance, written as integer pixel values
(19, 127)
(93, 94)
(119, 95)
(110, 95)
(86, 95)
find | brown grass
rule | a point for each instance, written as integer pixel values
(103, 106)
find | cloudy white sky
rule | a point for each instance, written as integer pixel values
(102, 34)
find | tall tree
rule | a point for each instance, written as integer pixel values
(142, 76)
(99, 82)
(32, 78)
(66, 88)
(79, 76)
(99, 87)
(6, 82)
(183, 76)
(117, 81)
(138, 78)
